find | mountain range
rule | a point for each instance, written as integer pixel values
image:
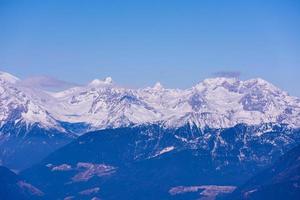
(104, 141)
(216, 103)
(149, 162)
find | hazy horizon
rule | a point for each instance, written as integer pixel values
(53, 84)
(141, 43)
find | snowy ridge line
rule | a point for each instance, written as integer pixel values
(216, 103)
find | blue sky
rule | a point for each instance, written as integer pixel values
(178, 43)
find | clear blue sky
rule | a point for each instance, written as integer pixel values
(178, 43)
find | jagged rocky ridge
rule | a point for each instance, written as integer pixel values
(216, 103)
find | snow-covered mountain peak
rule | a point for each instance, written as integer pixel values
(234, 85)
(108, 80)
(216, 102)
(158, 86)
(213, 83)
(219, 80)
(259, 81)
(4, 76)
(262, 84)
(22, 106)
(97, 82)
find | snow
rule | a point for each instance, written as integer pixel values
(216, 103)
(90, 191)
(84, 171)
(30, 188)
(163, 151)
(95, 198)
(206, 192)
(19, 104)
(105, 82)
(89, 170)
(108, 80)
(158, 86)
(63, 167)
(8, 78)
(166, 150)
(69, 198)
(248, 193)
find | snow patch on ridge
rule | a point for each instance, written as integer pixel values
(166, 150)
(89, 170)
(8, 77)
(205, 191)
(63, 167)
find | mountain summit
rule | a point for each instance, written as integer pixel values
(216, 102)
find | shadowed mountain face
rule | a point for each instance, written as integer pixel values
(281, 181)
(148, 162)
(26, 127)
(18, 141)
(13, 187)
